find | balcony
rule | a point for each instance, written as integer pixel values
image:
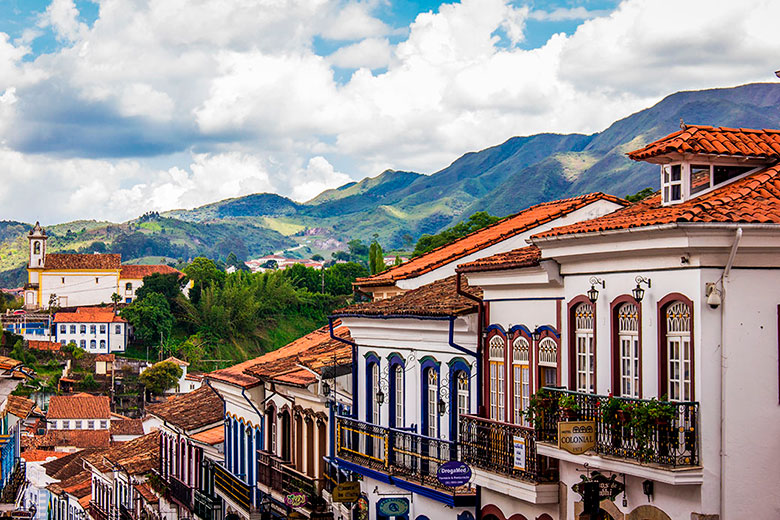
(277, 475)
(232, 488)
(125, 513)
(639, 431)
(96, 512)
(399, 457)
(180, 492)
(206, 507)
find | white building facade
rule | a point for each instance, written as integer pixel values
(95, 329)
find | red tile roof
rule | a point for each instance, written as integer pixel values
(439, 298)
(146, 493)
(76, 438)
(315, 351)
(696, 139)
(522, 257)
(211, 436)
(752, 199)
(190, 411)
(136, 457)
(20, 406)
(89, 315)
(127, 427)
(485, 237)
(79, 406)
(138, 272)
(177, 361)
(79, 261)
(108, 358)
(41, 455)
(52, 346)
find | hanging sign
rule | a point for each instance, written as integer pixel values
(454, 474)
(295, 499)
(577, 437)
(518, 442)
(608, 487)
(393, 506)
(346, 492)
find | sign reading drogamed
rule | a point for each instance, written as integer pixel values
(454, 474)
(577, 437)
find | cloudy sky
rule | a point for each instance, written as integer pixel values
(115, 107)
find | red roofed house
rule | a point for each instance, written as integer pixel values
(78, 279)
(79, 412)
(672, 298)
(505, 235)
(95, 329)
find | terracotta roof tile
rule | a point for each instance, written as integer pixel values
(52, 346)
(506, 228)
(146, 493)
(522, 257)
(127, 427)
(79, 406)
(76, 438)
(138, 272)
(177, 361)
(136, 457)
(314, 351)
(67, 466)
(20, 406)
(79, 261)
(698, 139)
(89, 315)
(190, 411)
(109, 358)
(439, 298)
(41, 455)
(752, 199)
(212, 436)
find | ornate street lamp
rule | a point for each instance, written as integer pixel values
(593, 293)
(637, 291)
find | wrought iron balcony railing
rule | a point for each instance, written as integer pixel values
(97, 512)
(410, 456)
(206, 507)
(232, 487)
(496, 446)
(125, 513)
(646, 431)
(180, 492)
(279, 475)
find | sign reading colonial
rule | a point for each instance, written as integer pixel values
(577, 437)
(454, 474)
(393, 506)
(518, 443)
(295, 499)
(346, 492)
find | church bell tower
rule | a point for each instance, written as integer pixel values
(37, 237)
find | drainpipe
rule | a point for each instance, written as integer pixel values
(480, 320)
(723, 360)
(354, 366)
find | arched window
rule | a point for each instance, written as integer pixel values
(36, 248)
(128, 286)
(462, 385)
(678, 351)
(497, 378)
(397, 413)
(548, 362)
(102, 344)
(92, 344)
(375, 417)
(521, 378)
(432, 402)
(585, 373)
(628, 349)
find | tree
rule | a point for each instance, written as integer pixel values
(167, 284)
(161, 376)
(376, 258)
(317, 258)
(115, 298)
(341, 256)
(358, 251)
(203, 273)
(475, 222)
(339, 277)
(640, 195)
(89, 383)
(150, 317)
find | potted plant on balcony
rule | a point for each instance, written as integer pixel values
(649, 417)
(542, 403)
(568, 406)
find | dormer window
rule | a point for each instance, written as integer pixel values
(684, 180)
(671, 183)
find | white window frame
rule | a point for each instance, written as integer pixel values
(679, 386)
(584, 348)
(398, 374)
(628, 349)
(497, 363)
(432, 379)
(521, 380)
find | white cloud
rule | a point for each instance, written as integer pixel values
(373, 53)
(565, 14)
(230, 97)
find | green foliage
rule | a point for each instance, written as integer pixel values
(317, 258)
(167, 284)
(161, 376)
(475, 222)
(89, 383)
(20, 353)
(78, 352)
(640, 195)
(339, 277)
(150, 317)
(376, 258)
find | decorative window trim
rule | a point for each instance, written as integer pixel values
(371, 359)
(614, 326)
(572, 306)
(429, 363)
(496, 331)
(396, 362)
(457, 364)
(663, 360)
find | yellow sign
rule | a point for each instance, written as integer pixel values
(346, 492)
(577, 437)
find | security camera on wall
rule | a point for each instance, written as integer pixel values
(713, 296)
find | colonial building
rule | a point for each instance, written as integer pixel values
(72, 280)
(79, 412)
(654, 326)
(191, 443)
(63, 489)
(95, 329)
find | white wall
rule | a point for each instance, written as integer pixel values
(60, 424)
(80, 288)
(114, 342)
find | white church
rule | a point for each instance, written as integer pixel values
(74, 280)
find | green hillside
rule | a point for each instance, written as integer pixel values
(399, 206)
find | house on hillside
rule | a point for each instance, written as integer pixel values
(507, 234)
(192, 439)
(79, 412)
(72, 280)
(95, 329)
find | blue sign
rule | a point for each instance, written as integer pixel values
(393, 506)
(454, 474)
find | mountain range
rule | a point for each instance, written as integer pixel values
(399, 206)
